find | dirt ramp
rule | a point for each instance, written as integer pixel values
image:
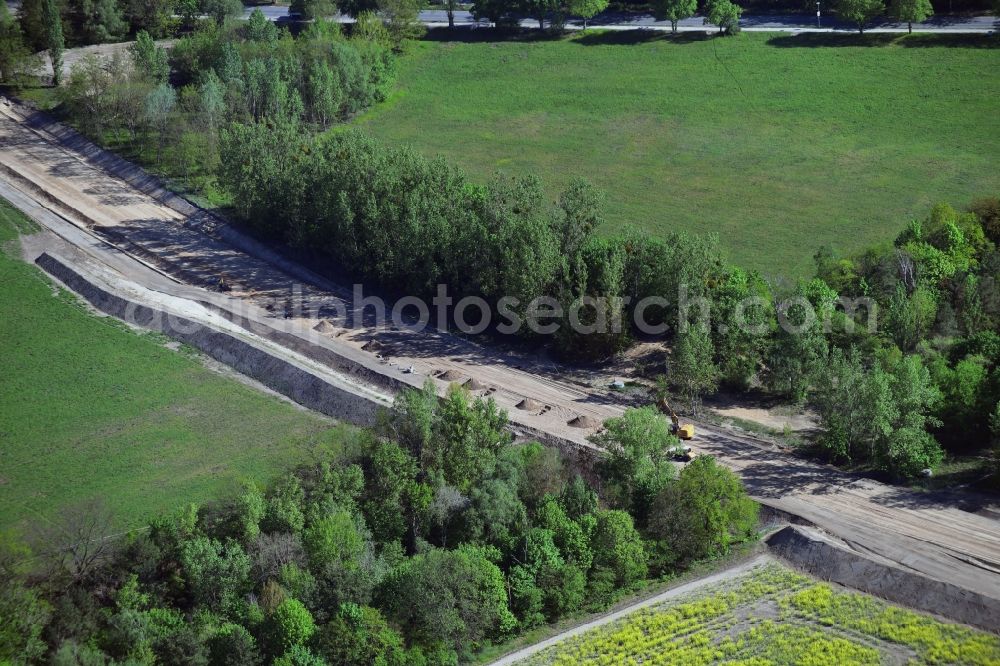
(584, 422)
(451, 376)
(826, 558)
(326, 328)
(529, 405)
(474, 385)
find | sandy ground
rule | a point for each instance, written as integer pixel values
(776, 417)
(73, 56)
(86, 208)
(770, 418)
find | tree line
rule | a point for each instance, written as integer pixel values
(85, 22)
(933, 366)
(420, 542)
(53, 25)
(235, 109)
(405, 222)
(394, 218)
(722, 13)
(168, 110)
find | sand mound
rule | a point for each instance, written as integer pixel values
(325, 327)
(372, 346)
(450, 376)
(529, 405)
(473, 385)
(583, 422)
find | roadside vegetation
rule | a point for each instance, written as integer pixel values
(91, 411)
(775, 616)
(421, 542)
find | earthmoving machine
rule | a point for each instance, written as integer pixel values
(685, 431)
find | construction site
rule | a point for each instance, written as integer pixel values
(133, 250)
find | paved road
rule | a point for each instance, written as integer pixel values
(761, 23)
(766, 23)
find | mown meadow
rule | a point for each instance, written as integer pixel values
(779, 143)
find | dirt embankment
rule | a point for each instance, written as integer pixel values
(277, 373)
(833, 560)
(116, 216)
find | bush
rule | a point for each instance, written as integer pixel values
(702, 513)
(456, 597)
(290, 626)
(619, 549)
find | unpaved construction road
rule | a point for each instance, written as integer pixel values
(175, 256)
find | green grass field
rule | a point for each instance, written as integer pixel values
(89, 408)
(778, 143)
(774, 616)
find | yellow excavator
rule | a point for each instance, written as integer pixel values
(685, 431)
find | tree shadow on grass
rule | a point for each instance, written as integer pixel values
(926, 40)
(482, 35)
(834, 40)
(638, 36)
(825, 40)
(595, 37)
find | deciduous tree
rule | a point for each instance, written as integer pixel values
(449, 7)
(703, 512)
(502, 13)
(911, 11)
(860, 12)
(359, 635)
(290, 625)
(468, 435)
(221, 10)
(24, 612)
(324, 93)
(153, 16)
(217, 574)
(586, 9)
(674, 11)
(724, 14)
(16, 60)
(313, 9)
(96, 21)
(637, 465)
(798, 351)
(259, 29)
(54, 38)
(539, 10)
(453, 596)
(149, 59)
(160, 104)
(691, 370)
(402, 19)
(618, 548)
